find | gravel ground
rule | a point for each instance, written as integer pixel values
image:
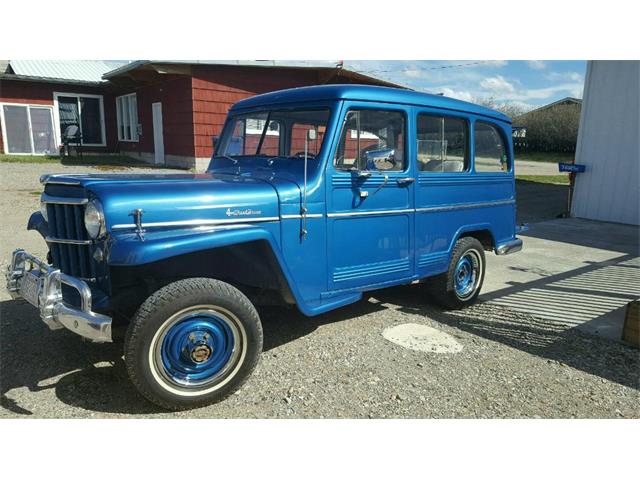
(511, 365)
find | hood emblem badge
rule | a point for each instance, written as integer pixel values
(236, 212)
(137, 218)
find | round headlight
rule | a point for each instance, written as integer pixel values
(43, 211)
(94, 219)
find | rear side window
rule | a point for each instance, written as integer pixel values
(372, 140)
(490, 154)
(442, 144)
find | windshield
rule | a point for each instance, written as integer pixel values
(277, 133)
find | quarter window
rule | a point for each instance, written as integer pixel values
(372, 140)
(127, 117)
(490, 154)
(442, 144)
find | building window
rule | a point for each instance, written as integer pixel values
(442, 144)
(490, 154)
(255, 126)
(127, 113)
(86, 112)
(27, 129)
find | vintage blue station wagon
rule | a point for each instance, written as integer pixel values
(313, 196)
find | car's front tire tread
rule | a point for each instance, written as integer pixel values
(163, 303)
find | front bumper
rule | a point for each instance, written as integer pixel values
(41, 286)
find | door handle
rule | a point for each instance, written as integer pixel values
(405, 180)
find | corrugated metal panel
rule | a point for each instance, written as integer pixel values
(609, 144)
(76, 70)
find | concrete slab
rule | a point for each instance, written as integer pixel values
(573, 272)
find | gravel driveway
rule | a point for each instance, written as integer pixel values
(336, 365)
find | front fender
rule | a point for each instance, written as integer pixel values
(127, 249)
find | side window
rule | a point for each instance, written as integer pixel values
(491, 154)
(442, 144)
(372, 140)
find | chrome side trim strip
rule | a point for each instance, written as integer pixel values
(196, 223)
(67, 240)
(373, 212)
(63, 200)
(461, 206)
(294, 216)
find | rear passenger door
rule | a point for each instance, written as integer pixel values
(443, 153)
(465, 183)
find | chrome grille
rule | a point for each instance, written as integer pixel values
(68, 240)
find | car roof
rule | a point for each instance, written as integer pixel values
(367, 93)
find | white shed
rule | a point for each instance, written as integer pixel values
(609, 144)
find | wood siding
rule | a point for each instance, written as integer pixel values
(216, 89)
(177, 116)
(41, 93)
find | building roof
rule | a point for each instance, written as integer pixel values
(74, 71)
(562, 101)
(95, 72)
(370, 93)
(180, 66)
(241, 63)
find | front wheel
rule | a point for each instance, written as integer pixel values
(461, 284)
(192, 343)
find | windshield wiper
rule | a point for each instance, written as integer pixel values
(227, 157)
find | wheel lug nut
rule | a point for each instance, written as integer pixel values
(192, 337)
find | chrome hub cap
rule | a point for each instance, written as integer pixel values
(467, 274)
(198, 349)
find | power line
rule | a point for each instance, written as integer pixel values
(439, 67)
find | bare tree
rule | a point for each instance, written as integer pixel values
(510, 109)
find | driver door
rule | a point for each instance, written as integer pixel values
(370, 198)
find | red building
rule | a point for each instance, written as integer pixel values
(163, 112)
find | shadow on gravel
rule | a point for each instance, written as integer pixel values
(93, 376)
(31, 356)
(554, 341)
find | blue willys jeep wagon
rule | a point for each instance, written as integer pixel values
(313, 196)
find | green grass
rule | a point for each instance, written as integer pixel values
(28, 159)
(549, 157)
(108, 162)
(550, 179)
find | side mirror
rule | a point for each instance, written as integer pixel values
(384, 159)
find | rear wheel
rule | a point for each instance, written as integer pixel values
(461, 284)
(192, 343)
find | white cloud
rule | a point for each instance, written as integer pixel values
(465, 95)
(496, 63)
(570, 76)
(537, 64)
(497, 84)
(413, 73)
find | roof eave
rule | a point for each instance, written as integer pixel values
(25, 78)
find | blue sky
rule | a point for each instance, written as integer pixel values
(528, 83)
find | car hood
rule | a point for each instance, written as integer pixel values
(174, 200)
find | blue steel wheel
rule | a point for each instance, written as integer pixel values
(460, 285)
(467, 274)
(192, 343)
(196, 349)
